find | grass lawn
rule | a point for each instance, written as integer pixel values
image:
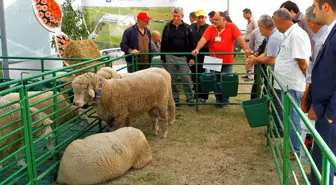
(209, 147)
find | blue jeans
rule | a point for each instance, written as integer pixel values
(297, 95)
(218, 89)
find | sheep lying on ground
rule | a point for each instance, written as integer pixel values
(16, 117)
(120, 98)
(102, 157)
(64, 115)
(108, 73)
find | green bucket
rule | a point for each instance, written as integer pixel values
(257, 111)
(208, 82)
(230, 83)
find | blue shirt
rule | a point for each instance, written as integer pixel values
(273, 44)
(318, 39)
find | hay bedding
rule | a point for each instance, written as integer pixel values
(209, 147)
(81, 49)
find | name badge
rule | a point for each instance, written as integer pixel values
(218, 39)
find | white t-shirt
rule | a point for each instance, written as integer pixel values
(296, 45)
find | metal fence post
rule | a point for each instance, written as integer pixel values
(4, 41)
(27, 141)
(286, 144)
(325, 169)
(136, 64)
(258, 81)
(133, 64)
(42, 67)
(55, 102)
(30, 137)
(196, 82)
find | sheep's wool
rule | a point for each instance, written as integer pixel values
(102, 157)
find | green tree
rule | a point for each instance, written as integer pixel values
(72, 23)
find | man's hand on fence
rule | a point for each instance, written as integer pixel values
(251, 60)
(191, 62)
(195, 52)
(247, 52)
(311, 114)
(135, 52)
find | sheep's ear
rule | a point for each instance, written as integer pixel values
(91, 91)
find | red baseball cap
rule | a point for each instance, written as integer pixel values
(143, 16)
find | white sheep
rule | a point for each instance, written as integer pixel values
(11, 124)
(125, 97)
(102, 157)
(109, 72)
(64, 115)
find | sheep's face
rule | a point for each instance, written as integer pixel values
(83, 94)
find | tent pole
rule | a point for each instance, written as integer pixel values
(3, 41)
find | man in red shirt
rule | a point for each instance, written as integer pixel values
(221, 37)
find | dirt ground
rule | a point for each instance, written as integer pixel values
(209, 147)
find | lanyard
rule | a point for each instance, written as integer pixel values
(220, 32)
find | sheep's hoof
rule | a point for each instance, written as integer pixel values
(155, 133)
(171, 122)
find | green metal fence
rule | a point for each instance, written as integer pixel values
(157, 63)
(291, 172)
(42, 152)
(281, 146)
(41, 123)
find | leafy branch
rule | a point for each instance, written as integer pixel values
(72, 23)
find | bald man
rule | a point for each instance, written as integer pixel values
(156, 40)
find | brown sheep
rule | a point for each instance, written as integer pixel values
(121, 98)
